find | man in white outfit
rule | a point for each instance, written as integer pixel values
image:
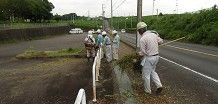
(149, 51)
(100, 42)
(90, 46)
(116, 45)
(107, 44)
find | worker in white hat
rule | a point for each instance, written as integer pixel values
(150, 56)
(116, 45)
(90, 46)
(107, 45)
(99, 38)
(99, 42)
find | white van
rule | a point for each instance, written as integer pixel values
(76, 31)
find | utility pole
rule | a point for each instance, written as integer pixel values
(103, 16)
(153, 8)
(139, 10)
(177, 5)
(139, 18)
(111, 16)
(73, 18)
(118, 25)
(88, 14)
(131, 20)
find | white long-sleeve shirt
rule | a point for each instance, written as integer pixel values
(149, 44)
(116, 41)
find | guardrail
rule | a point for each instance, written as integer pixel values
(81, 98)
(95, 72)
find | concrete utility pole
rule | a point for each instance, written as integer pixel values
(103, 17)
(125, 23)
(153, 8)
(73, 18)
(111, 16)
(139, 10)
(177, 7)
(139, 18)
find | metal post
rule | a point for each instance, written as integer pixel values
(97, 66)
(94, 80)
(81, 97)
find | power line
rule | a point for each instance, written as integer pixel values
(119, 5)
(115, 2)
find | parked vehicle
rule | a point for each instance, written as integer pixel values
(76, 31)
(123, 30)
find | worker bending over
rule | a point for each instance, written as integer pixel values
(150, 56)
(90, 46)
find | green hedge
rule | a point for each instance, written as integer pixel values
(200, 27)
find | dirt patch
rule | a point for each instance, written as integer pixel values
(106, 88)
(55, 81)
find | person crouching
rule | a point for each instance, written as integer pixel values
(90, 46)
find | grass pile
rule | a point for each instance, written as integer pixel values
(29, 54)
(130, 61)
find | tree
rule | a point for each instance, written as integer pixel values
(160, 14)
(70, 16)
(57, 17)
(35, 10)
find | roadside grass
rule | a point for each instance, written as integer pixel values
(31, 54)
(199, 27)
(128, 62)
(131, 66)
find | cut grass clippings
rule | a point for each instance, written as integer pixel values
(132, 67)
(128, 62)
(31, 54)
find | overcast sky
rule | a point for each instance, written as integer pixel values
(94, 7)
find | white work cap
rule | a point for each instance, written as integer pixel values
(98, 31)
(89, 32)
(114, 32)
(141, 25)
(104, 33)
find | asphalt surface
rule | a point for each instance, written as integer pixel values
(190, 69)
(43, 81)
(9, 51)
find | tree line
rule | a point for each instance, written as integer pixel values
(33, 10)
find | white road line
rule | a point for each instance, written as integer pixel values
(192, 50)
(205, 76)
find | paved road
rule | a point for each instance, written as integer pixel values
(191, 67)
(9, 51)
